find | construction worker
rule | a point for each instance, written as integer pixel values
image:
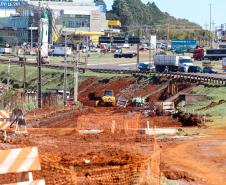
(18, 117)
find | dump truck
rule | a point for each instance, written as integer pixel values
(108, 99)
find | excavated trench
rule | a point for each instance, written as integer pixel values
(102, 158)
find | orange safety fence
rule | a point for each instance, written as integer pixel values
(109, 122)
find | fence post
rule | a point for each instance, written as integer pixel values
(113, 127)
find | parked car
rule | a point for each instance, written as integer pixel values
(120, 54)
(183, 68)
(194, 69)
(145, 67)
(209, 70)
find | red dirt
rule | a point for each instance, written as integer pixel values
(161, 122)
(201, 160)
(116, 84)
(147, 90)
(63, 153)
(68, 157)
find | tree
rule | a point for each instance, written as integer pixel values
(121, 9)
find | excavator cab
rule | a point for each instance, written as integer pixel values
(107, 99)
(108, 93)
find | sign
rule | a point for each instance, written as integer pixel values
(183, 46)
(114, 23)
(119, 40)
(153, 42)
(10, 4)
(183, 42)
(44, 33)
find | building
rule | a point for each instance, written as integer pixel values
(84, 19)
(8, 7)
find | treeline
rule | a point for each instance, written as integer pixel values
(135, 13)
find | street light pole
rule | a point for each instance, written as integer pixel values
(76, 75)
(65, 70)
(138, 49)
(25, 77)
(8, 74)
(211, 25)
(31, 37)
(39, 78)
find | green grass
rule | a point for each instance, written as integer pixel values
(217, 113)
(97, 58)
(51, 78)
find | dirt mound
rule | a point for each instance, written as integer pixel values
(67, 156)
(161, 122)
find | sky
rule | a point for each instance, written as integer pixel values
(194, 10)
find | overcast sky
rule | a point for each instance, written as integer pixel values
(195, 10)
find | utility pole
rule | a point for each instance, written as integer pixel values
(31, 36)
(76, 75)
(8, 74)
(211, 25)
(25, 76)
(150, 48)
(138, 49)
(39, 77)
(65, 70)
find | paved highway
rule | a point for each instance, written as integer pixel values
(125, 66)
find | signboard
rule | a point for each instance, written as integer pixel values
(183, 43)
(182, 46)
(153, 42)
(119, 40)
(10, 4)
(44, 28)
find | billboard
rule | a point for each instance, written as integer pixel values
(183, 45)
(10, 4)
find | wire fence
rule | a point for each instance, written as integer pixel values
(113, 123)
(28, 101)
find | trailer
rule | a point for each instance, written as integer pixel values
(215, 54)
(171, 62)
(5, 50)
(61, 51)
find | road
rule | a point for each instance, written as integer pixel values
(202, 160)
(129, 66)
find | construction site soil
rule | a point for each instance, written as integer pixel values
(118, 155)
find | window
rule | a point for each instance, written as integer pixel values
(76, 21)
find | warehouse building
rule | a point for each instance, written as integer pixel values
(85, 19)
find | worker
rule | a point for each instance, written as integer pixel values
(17, 117)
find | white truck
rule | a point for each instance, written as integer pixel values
(165, 63)
(6, 50)
(61, 50)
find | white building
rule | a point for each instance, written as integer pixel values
(82, 17)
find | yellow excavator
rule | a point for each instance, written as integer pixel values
(107, 100)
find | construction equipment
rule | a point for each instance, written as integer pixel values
(108, 99)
